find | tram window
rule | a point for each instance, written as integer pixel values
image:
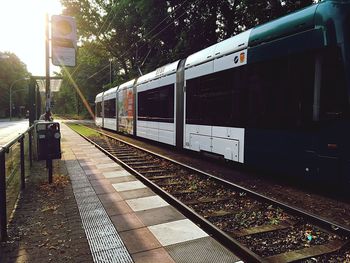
(216, 99)
(156, 104)
(280, 92)
(334, 104)
(99, 109)
(271, 94)
(109, 108)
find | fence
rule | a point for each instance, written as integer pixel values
(15, 161)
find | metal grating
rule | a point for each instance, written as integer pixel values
(89, 200)
(104, 241)
(88, 189)
(203, 250)
(90, 225)
(82, 195)
(80, 184)
(108, 256)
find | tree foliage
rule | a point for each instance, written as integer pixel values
(141, 35)
(11, 70)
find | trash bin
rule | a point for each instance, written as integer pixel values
(48, 140)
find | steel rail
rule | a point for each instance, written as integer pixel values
(318, 220)
(224, 238)
(221, 236)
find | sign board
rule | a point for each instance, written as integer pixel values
(55, 84)
(63, 40)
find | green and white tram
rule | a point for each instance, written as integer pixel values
(275, 97)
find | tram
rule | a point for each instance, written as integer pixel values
(275, 97)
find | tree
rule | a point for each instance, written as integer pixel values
(12, 69)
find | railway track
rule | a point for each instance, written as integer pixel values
(257, 228)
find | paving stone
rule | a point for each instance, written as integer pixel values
(89, 166)
(159, 215)
(94, 176)
(145, 203)
(122, 179)
(108, 169)
(100, 182)
(127, 186)
(139, 240)
(104, 189)
(202, 250)
(109, 198)
(110, 164)
(177, 232)
(152, 256)
(126, 222)
(117, 208)
(116, 173)
(136, 193)
(104, 160)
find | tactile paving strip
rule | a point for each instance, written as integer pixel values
(104, 241)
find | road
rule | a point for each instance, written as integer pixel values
(10, 129)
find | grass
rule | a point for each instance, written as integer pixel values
(72, 116)
(83, 130)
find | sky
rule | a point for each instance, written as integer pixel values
(22, 31)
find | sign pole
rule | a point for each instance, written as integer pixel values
(47, 92)
(47, 58)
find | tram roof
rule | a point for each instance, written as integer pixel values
(228, 46)
(127, 85)
(99, 97)
(112, 90)
(298, 21)
(159, 72)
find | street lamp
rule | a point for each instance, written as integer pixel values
(13, 83)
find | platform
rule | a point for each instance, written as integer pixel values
(124, 220)
(102, 214)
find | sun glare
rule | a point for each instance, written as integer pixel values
(22, 29)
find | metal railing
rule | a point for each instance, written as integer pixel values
(16, 158)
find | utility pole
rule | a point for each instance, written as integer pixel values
(110, 72)
(47, 91)
(47, 61)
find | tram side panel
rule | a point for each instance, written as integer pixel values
(98, 110)
(156, 110)
(338, 18)
(208, 107)
(110, 121)
(126, 110)
(297, 107)
(109, 109)
(213, 107)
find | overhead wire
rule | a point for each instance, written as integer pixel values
(164, 28)
(154, 35)
(135, 43)
(168, 16)
(168, 25)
